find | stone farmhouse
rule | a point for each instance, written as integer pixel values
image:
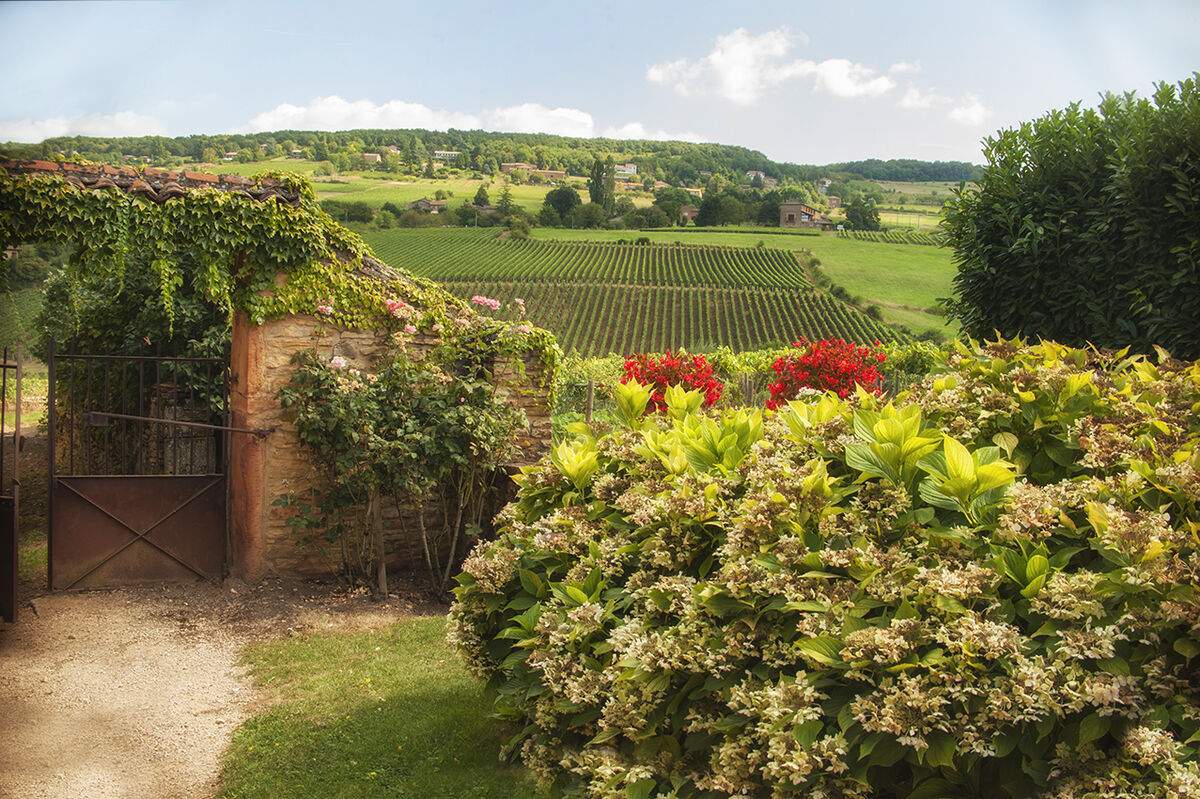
(548, 174)
(798, 214)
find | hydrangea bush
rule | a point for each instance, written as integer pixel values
(983, 587)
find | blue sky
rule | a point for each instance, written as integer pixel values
(803, 82)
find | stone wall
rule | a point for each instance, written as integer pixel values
(264, 469)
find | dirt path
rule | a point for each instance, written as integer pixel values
(132, 694)
(108, 698)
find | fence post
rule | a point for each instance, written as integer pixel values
(747, 389)
(591, 400)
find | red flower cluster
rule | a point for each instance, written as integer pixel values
(658, 372)
(828, 365)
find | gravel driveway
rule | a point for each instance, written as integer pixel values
(114, 696)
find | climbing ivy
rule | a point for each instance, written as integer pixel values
(268, 259)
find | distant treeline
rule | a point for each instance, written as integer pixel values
(679, 163)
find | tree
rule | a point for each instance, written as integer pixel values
(549, 217)
(861, 214)
(481, 196)
(588, 215)
(505, 205)
(602, 185)
(1085, 226)
(670, 200)
(564, 199)
(720, 209)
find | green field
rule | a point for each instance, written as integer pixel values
(934, 192)
(602, 297)
(377, 188)
(902, 279)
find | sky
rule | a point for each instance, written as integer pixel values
(801, 82)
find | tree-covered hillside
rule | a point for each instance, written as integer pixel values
(680, 163)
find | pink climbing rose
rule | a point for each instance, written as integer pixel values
(325, 310)
(399, 309)
(486, 302)
(410, 329)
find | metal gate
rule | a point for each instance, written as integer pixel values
(10, 426)
(138, 453)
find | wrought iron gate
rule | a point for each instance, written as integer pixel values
(138, 469)
(10, 489)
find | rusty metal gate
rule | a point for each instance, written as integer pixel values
(10, 488)
(138, 453)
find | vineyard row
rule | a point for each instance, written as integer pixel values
(598, 319)
(465, 255)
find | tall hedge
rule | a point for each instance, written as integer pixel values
(1085, 226)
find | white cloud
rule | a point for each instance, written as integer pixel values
(636, 130)
(970, 111)
(122, 123)
(336, 113)
(743, 66)
(843, 78)
(537, 118)
(904, 68)
(915, 97)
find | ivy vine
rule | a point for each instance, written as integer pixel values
(235, 249)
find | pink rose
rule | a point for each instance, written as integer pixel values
(325, 310)
(338, 362)
(410, 329)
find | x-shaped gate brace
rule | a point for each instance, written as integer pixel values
(141, 535)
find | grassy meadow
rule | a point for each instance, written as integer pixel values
(377, 188)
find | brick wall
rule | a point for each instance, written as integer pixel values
(263, 470)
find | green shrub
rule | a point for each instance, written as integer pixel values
(986, 589)
(1085, 226)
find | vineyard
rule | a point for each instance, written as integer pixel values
(602, 297)
(747, 229)
(892, 237)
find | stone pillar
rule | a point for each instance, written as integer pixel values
(247, 453)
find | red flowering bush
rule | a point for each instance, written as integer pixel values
(660, 372)
(831, 364)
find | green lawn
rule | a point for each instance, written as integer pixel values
(401, 190)
(387, 713)
(903, 279)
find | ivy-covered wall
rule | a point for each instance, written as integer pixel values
(292, 279)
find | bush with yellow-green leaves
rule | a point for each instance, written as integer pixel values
(984, 587)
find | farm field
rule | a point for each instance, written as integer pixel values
(377, 188)
(902, 279)
(934, 192)
(602, 297)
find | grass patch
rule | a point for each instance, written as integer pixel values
(387, 713)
